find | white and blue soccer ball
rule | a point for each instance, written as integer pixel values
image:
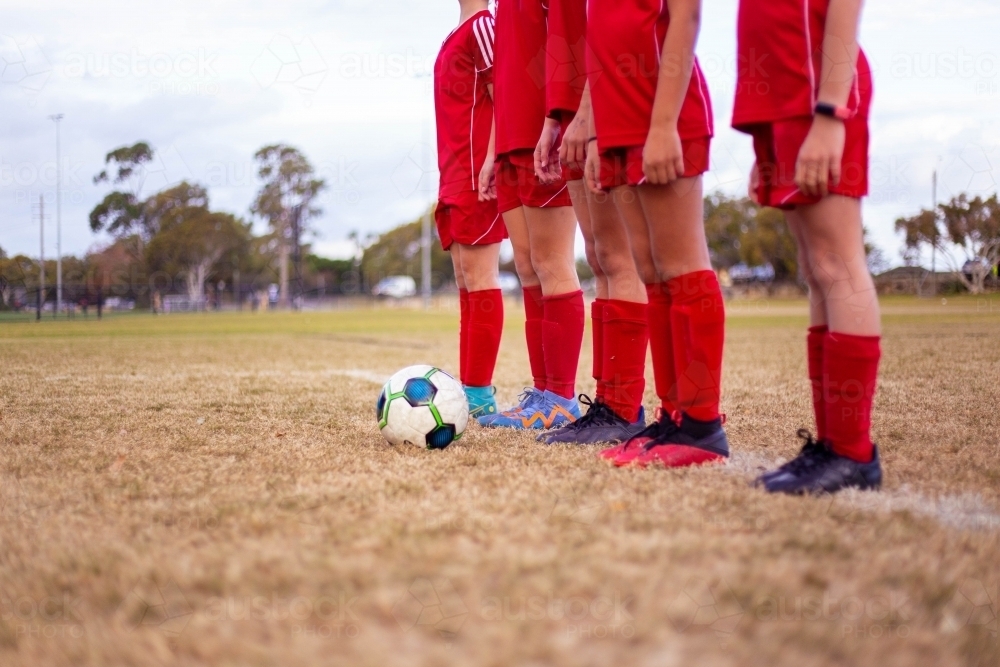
(422, 406)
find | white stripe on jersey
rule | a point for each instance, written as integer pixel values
(483, 29)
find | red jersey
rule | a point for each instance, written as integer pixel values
(625, 41)
(779, 50)
(565, 56)
(519, 93)
(462, 104)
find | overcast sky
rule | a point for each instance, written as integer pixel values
(209, 82)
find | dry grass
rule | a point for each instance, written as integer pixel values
(212, 490)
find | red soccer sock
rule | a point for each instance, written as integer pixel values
(661, 346)
(850, 366)
(485, 329)
(463, 334)
(597, 335)
(814, 352)
(562, 338)
(534, 316)
(626, 334)
(698, 319)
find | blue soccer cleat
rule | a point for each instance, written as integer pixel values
(549, 410)
(525, 401)
(481, 401)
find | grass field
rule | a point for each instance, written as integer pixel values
(213, 490)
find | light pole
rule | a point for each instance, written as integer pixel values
(934, 244)
(58, 117)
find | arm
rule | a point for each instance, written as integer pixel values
(547, 165)
(662, 156)
(573, 149)
(592, 166)
(819, 159)
(487, 178)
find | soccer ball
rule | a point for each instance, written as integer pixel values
(422, 406)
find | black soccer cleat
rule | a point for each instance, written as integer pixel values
(811, 449)
(600, 424)
(817, 472)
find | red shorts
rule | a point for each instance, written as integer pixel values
(623, 166)
(517, 184)
(571, 172)
(777, 147)
(466, 220)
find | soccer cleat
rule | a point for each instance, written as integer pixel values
(599, 424)
(817, 473)
(481, 401)
(692, 443)
(665, 424)
(525, 401)
(548, 411)
(811, 449)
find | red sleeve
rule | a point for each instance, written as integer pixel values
(482, 46)
(565, 53)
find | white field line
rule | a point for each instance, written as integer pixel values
(965, 511)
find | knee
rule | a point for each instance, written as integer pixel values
(646, 269)
(825, 269)
(615, 260)
(594, 259)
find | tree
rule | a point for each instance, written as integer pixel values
(769, 241)
(397, 253)
(17, 273)
(120, 212)
(738, 230)
(193, 242)
(286, 200)
(966, 232)
(727, 219)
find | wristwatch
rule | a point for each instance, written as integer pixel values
(833, 111)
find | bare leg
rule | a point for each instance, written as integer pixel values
(834, 241)
(479, 266)
(626, 202)
(578, 193)
(456, 261)
(517, 230)
(674, 216)
(817, 300)
(611, 241)
(552, 232)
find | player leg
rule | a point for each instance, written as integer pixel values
(674, 218)
(617, 413)
(831, 234)
(552, 234)
(626, 200)
(517, 230)
(581, 207)
(479, 265)
(463, 312)
(626, 330)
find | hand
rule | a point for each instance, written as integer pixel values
(487, 180)
(573, 149)
(547, 166)
(592, 168)
(818, 165)
(754, 184)
(663, 156)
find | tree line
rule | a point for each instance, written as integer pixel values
(173, 242)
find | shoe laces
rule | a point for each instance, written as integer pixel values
(525, 400)
(814, 453)
(664, 426)
(598, 413)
